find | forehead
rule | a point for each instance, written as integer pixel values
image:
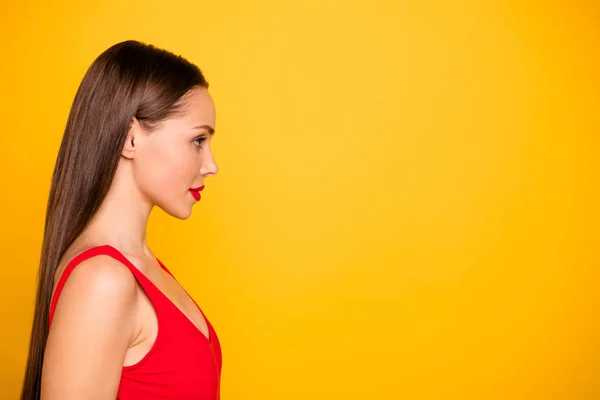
(198, 108)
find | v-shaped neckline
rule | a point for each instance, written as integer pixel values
(209, 335)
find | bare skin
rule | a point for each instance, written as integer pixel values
(103, 319)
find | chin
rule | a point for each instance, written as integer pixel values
(184, 215)
(179, 213)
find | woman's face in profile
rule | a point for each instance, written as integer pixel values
(176, 156)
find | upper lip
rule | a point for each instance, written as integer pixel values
(197, 189)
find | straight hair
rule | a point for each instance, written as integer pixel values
(128, 80)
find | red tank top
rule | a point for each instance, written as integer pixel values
(182, 364)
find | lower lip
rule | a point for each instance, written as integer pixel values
(196, 194)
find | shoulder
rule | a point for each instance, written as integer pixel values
(100, 285)
(92, 328)
(101, 275)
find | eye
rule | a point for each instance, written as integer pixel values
(198, 141)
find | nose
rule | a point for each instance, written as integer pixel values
(209, 167)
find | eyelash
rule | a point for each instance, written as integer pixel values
(199, 141)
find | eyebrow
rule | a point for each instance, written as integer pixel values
(208, 128)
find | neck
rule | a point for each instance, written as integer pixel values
(122, 218)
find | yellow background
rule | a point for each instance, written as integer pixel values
(406, 207)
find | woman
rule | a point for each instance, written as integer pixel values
(110, 320)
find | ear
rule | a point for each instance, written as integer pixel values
(130, 142)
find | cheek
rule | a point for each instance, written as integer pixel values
(166, 172)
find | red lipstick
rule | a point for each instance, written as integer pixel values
(196, 192)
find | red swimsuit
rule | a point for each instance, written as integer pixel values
(182, 363)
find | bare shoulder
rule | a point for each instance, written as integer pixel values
(101, 287)
(101, 278)
(92, 328)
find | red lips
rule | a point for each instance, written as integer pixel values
(196, 192)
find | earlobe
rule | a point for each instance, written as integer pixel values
(129, 146)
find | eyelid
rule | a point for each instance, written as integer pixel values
(199, 140)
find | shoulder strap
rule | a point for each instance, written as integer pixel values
(108, 250)
(165, 268)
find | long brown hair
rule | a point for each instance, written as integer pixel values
(130, 79)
